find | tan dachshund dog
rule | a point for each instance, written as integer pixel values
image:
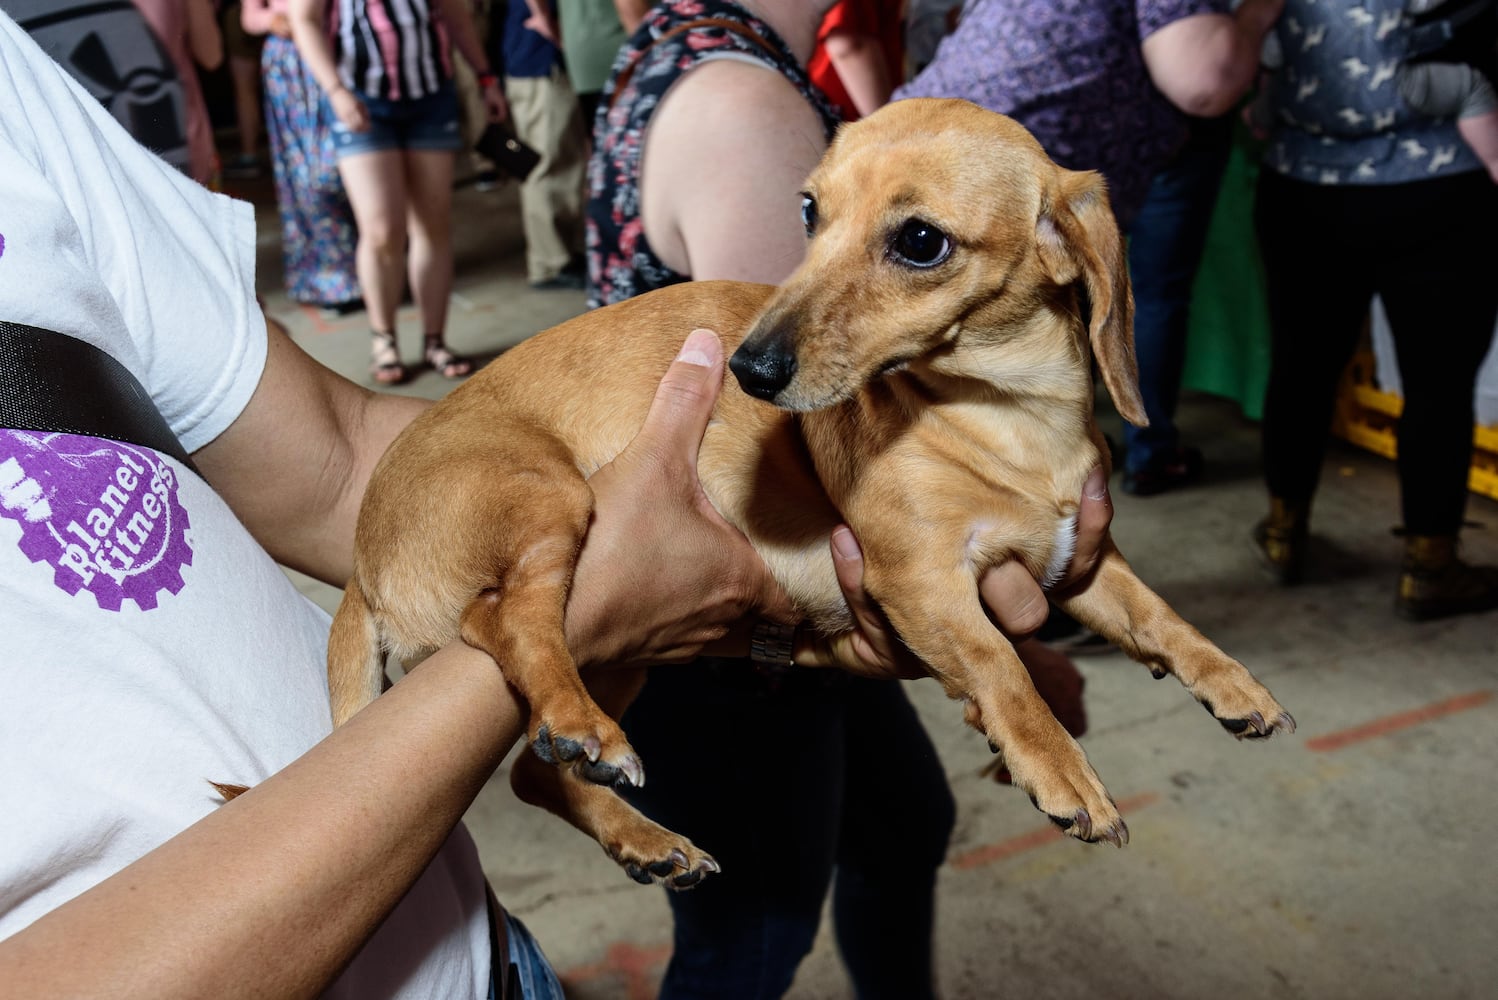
(930, 370)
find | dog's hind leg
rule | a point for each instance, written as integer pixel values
(645, 850)
(1118, 606)
(518, 620)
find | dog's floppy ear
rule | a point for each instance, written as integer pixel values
(1077, 237)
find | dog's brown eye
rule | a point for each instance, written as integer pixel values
(809, 213)
(921, 244)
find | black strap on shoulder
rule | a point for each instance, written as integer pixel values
(58, 384)
(1460, 31)
(722, 23)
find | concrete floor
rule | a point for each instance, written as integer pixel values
(1347, 860)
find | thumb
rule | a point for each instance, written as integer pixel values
(684, 401)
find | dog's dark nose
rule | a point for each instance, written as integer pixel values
(763, 373)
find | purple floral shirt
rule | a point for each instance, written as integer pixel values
(1070, 71)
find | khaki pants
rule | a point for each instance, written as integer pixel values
(545, 114)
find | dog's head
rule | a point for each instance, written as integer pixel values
(943, 238)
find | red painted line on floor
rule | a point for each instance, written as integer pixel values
(319, 325)
(638, 967)
(1394, 723)
(1016, 845)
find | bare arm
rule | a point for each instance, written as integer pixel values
(746, 223)
(459, 20)
(1205, 63)
(306, 21)
(543, 21)
(306, 17)
(204, 40)
(295, 463)
(631, 13)
(861, 66)
(273, 893)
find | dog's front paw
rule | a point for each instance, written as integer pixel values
(1236, 699)
(598, 753)
(1063, 785)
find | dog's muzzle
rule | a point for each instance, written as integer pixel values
(763, 373)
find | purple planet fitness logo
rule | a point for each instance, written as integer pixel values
(105, 515)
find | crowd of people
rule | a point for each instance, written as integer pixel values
(672, 141)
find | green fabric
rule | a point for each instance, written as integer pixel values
(591, 37)
(1227, 349)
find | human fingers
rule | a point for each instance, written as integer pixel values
(1094, 516)
(872, 648)
(498, 107)
(660, 572)
(1014, 598)
(683, 403)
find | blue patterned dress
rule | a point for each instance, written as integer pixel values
(317, 224)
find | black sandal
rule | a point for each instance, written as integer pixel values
(386, 367)
(445, 362)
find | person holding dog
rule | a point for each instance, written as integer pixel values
(154, 644)
(709, 128)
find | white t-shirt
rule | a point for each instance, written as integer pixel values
(149, 643)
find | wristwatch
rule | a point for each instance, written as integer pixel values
(771, 646)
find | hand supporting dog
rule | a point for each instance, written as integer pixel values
(651, 514)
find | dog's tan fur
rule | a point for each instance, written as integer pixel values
(944, 412)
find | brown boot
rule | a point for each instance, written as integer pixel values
(1434, 583)
(1281, 540)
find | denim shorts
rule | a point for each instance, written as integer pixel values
(423, 123)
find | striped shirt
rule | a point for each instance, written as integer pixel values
(392, 49)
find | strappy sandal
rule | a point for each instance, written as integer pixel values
(445, 362)
(385, 366)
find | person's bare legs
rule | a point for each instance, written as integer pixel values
(376, 186)
(429, 184)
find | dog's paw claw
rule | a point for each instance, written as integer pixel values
(1079, 824)
(1235, 726)
(555, 749)
(628, 773)
(1256, 727)
(1117, 835)
(676, 871)
(632, 771)
(687, 879)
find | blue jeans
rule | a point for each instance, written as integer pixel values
(818, 779)
(1166, 241)
(534, 974)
